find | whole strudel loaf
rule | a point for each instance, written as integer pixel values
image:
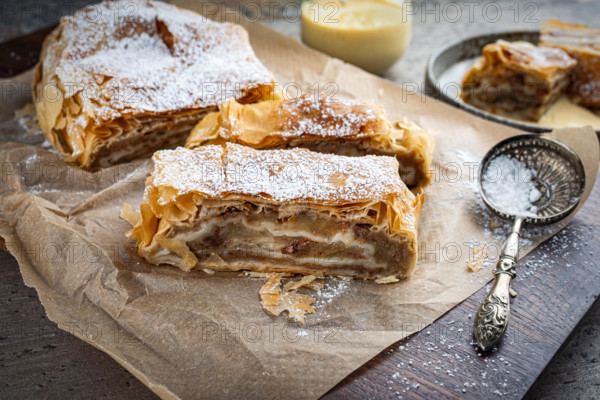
(231, 207)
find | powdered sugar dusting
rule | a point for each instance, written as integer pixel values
(323, 117)
(530, 56)
(190, 171)
(300, 174)
(151, 57)
(279, 175)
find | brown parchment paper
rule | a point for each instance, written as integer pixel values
(194, 335)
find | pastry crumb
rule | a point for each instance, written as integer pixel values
(475, 262)
(129, 215)
(388, 279)
(275, 299)
(294, 285)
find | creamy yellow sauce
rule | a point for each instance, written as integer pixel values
(565, 113)
(372, 34)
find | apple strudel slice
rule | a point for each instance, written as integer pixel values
(231, 207)
(119, 80)
(343, 127)
(583, 44)
(517, 79)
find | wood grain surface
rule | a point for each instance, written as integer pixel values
(556, 283)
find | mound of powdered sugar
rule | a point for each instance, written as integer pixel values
(510, 187)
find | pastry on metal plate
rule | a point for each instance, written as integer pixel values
(517, 79)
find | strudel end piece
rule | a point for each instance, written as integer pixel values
(583, 44)
(517, 79)
(231, 207)
(343, 127)
(120, 79)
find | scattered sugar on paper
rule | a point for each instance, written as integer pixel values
(333, 288)
(26, 117)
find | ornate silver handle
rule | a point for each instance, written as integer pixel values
(492, 317)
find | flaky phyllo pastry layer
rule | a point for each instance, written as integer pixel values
(343, 127)
(231, 207)
(121, 79)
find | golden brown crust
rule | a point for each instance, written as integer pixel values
(345, 127)
(517, 78)
(114, 85)
(363, 201)
(583, 44)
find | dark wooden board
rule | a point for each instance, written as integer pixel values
(557, 283)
